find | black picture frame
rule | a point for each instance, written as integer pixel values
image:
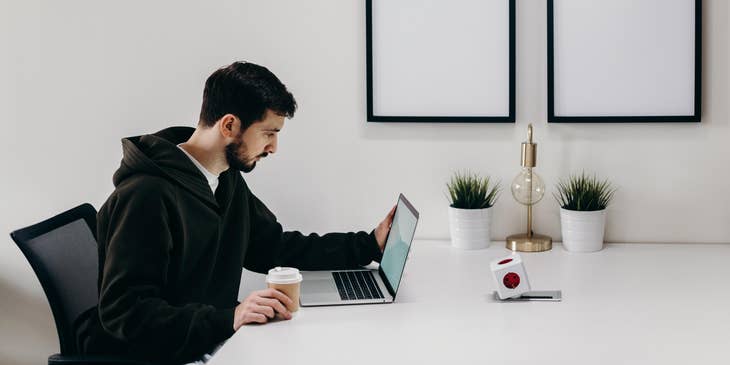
(374, 116)
(658, 117)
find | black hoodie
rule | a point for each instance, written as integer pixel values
(171, 254)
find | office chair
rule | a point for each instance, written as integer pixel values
(62, 251)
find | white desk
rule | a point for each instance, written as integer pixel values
(628, 304)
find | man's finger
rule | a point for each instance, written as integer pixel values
(265, 310)
(254, 318)
(274, 304)
(391, 213)
(276, 294)
(389, 217)
(273, 293)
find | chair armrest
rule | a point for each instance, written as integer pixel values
(59, 359)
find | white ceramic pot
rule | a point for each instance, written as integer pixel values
(582, 231)
(470, 228)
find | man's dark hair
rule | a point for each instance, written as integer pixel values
(245, 90)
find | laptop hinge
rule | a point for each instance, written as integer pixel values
(385, 282)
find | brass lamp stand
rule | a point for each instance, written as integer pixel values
(528, 189)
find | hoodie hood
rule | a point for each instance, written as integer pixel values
(158, 155)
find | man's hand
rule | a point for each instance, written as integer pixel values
(381, 232)
(260, 306)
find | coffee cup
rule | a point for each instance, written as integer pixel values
(287, 280)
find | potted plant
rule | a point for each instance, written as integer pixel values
(471, 198)
(583, 200)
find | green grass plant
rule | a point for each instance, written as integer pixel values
(470, 191)
(582, 192)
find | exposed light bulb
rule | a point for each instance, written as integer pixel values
(527, 187)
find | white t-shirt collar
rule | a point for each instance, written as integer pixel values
(211, 177)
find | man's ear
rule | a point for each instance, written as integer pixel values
(229, 125)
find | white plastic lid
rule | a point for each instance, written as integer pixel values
(283, 275)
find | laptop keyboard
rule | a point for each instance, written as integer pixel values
(354, 285)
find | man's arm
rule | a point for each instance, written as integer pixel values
(270, 246)
(138, 245)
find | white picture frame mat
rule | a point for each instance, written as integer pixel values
(440, 58)
(624, 57)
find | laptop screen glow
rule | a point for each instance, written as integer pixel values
(398, 244)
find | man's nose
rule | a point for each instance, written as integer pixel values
(271, 148)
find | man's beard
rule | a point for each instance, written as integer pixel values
(236, 162)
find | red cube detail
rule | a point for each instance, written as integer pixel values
(511, 280)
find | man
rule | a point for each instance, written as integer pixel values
(181, 223)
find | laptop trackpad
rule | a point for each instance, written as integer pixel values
(319, 290)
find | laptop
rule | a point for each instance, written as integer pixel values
(346, 287)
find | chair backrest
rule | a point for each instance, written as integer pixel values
(64, 255)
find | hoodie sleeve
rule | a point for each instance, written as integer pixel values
(138, 243)
(270, 246)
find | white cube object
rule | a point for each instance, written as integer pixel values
(510, 276)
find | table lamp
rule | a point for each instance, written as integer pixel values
(528, 188)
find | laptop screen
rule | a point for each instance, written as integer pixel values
(399, 242)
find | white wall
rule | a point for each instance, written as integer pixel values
(76, 76)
